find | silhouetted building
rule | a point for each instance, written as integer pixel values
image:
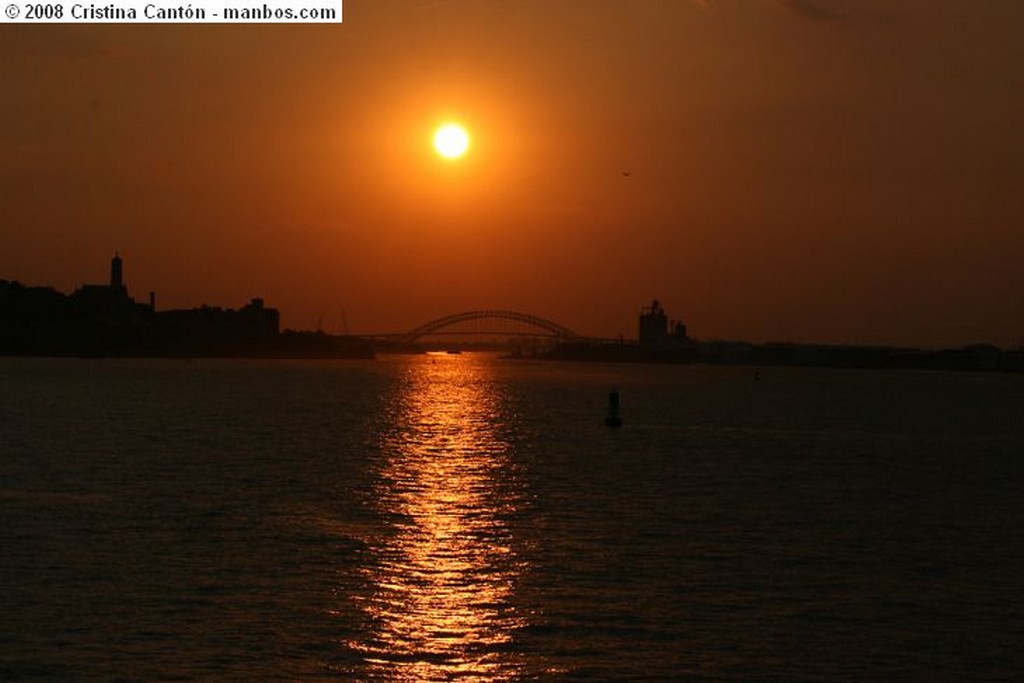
(104, 319)
(660, 341)
(655, 329)
(219, 331)
(109, 299)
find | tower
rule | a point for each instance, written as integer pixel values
(116, 277)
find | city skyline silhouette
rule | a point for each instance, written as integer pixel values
(105, 320)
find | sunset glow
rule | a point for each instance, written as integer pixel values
(764, 167)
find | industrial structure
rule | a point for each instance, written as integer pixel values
(657, 330)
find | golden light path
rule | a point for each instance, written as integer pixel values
(443, 601)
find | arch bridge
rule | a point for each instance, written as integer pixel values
(552, 328)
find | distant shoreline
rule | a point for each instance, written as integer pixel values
(975, 358)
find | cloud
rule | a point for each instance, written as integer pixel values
(816, 10)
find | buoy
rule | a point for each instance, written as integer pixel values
(613, 419)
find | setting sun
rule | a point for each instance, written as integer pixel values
(451, 141)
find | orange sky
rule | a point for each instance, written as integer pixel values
(804, 170)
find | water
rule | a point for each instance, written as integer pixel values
(436, 518)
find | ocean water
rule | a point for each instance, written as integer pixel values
(465, 517)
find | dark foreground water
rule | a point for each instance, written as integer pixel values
(438, 518)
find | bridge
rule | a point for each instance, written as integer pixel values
(540, 326)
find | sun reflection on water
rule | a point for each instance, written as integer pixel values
(443, 581)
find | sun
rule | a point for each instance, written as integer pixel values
(451, 141)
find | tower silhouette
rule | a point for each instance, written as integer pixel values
(116, 275)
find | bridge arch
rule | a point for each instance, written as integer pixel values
(433, 326)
